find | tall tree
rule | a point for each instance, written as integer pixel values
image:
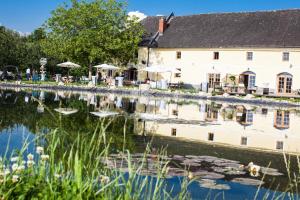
(92, 32)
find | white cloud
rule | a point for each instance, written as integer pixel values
(137, 14)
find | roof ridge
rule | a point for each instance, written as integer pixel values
(239, 12)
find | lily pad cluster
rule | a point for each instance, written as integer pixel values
(204, 169)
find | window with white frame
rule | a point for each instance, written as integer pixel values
(285, 56)
(178, 75)
(244, 141)
(279, 145)
(249, 55)
(210, 137)
(178, 54)
(173, 132)
(214, 80)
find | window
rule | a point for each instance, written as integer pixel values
(178, 54)
(173, 131)
(285, 56)
(284, 83)
(244, 141)
(175, 112)
(249, 116)
(210, 136)
(178, 75)
(251, 82)
(264, 111)
(282, 119)
(110, 73)
(249, 55)
(279, 145)
(216, 55)
(214, 80)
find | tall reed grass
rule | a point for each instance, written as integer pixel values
(62, 170)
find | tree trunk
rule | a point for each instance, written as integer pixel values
(90, 71)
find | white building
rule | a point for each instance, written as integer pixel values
(241, 52)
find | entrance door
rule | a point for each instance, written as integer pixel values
(284, 83)
(248, 78)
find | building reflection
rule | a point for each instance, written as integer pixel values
(282, 119)
(240, 126)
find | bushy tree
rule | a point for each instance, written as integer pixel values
(92, 32)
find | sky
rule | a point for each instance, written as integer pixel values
(26, 15)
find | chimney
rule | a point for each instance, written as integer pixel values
(162, 25)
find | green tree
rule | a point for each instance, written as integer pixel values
(10, 43)
(92, 32)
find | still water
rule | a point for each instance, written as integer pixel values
(212, 139)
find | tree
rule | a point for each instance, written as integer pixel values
(10, 43)
(92, 32)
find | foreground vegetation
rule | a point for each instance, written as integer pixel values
(76, 171)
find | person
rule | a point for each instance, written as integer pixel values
(28, 74)
(19, 77)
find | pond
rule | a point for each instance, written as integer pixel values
(204, 140)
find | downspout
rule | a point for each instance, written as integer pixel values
(148, 59)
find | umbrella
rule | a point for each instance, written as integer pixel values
(107, 67)
(104, 114)
(66, 111)
(68, 65)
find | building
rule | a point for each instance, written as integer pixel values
(248, 52)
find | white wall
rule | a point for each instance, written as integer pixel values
(196, 63)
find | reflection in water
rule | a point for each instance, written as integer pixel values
(236, 125)
(221, 124)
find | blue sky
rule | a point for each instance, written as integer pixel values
(26, 15)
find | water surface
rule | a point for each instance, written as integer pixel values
(210, 138)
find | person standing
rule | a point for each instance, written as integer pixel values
(28, 74)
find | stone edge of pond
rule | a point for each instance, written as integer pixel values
(153, 93)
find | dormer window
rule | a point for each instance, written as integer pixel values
(216, 55)
(178, 54)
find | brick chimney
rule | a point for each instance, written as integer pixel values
(162, 26)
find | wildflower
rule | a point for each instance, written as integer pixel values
(20, 168)
(14, 159)
(104, 179)
(190, 175)
(6, 172)
(30, 157)
(15, 178)
(44, 157)
(40, 150)
(30, 163)
(14, 167)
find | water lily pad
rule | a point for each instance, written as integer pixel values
(191, 164)
(208, 175)
(247, 181)
(211, 184)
